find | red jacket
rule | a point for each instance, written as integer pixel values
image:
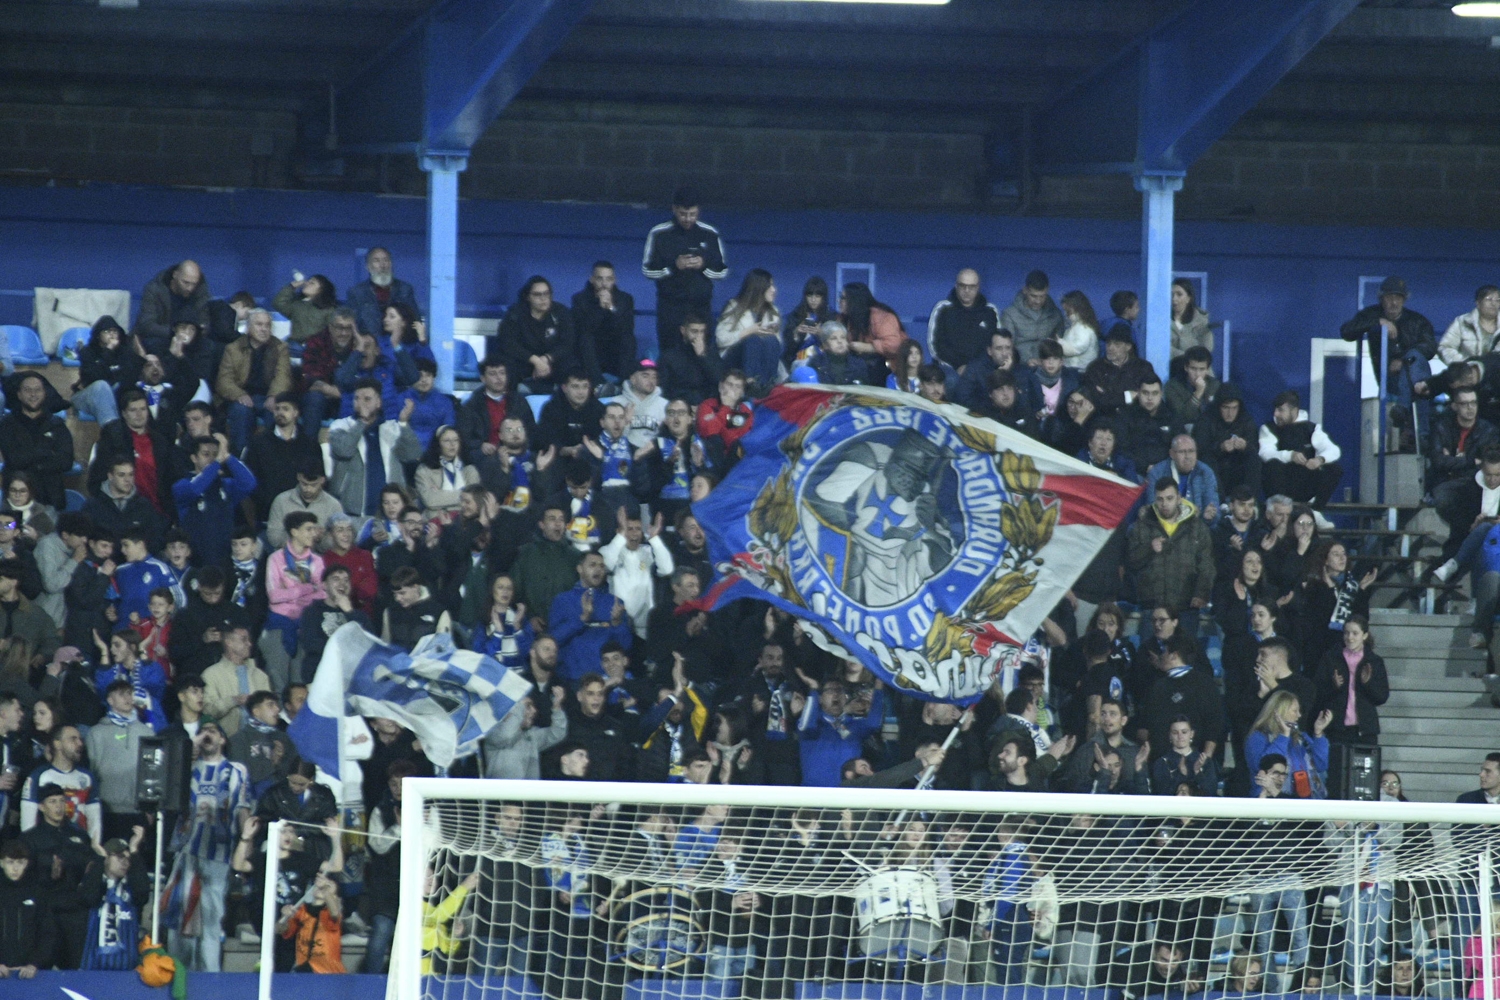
(717, 420)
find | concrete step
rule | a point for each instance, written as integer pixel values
(1381, 617)
(1471, 711)
(1419, 698)
(1402, 681)
(1424, 652)
(1453, 760)
(1454, 734)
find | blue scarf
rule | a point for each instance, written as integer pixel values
(678, 457)
(519, 497)
(244, 581)
(299, 568)
(583, 529)
(114, 926)
(154, 394)
(258, 726)
(618, 458)
(117, 719)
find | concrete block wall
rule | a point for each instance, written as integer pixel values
(769, 167)
(175, 146)
(1262, 172)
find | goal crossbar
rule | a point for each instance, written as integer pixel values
(1474, 829)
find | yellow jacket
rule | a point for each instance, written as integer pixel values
(436, 923)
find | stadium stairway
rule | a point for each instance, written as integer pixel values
(1440, 720)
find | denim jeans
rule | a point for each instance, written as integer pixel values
(724, 962)
(1292, 905)
(378, 948)
(97, 400)
(316, 407)
(242, 420)
(1414, 368)
(1367, 942)
(758, 356)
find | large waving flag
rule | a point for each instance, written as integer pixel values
(924, 540)
(448, 697)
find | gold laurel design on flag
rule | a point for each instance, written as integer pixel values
(999, 596)
(946, 637)
(773, 515)
(1027, 525)
(1019, 472)
(981, 441)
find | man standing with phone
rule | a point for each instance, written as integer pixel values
(684, 257)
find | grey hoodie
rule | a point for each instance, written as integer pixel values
(646, 417)
(1032, 326)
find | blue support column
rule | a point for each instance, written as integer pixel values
(442, 256)
(1158, 192)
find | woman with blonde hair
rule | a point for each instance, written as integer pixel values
(1276, 730)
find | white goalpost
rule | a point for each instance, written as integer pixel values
(530, 890)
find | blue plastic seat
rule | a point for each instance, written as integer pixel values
(537, 401)
(75, 501)
(25, 346)
(465, 361)
(68, 345)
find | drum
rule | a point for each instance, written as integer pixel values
(654, 930)
(897, 914)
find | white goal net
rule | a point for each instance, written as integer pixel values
(576, 891)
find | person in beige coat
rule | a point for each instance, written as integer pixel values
(255, 369)
(1474, 334)
(444, 473)
(228, 684)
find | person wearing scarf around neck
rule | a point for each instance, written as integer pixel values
(263, 747)
(507, 634)
(114, 751)
(37, 519)
(1330, 594)
(294, 580)
(116, 890)
(120, 660)
(443, 473)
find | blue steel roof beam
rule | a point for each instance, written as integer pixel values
(1159, 104)
(441, 83)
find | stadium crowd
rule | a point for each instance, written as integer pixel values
(249, 495)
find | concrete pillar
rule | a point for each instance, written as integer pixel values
(442, 256)
(1157, 196)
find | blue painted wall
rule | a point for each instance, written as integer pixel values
(1279, 285)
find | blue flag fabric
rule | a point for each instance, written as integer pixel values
(448, 697)
(923, 540)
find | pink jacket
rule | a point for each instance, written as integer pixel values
(1474, 966)
(290, 596)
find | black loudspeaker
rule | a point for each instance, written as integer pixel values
(1354, 771)
(162, 775)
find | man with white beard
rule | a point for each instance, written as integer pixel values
(369, 298)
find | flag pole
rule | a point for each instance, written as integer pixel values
(928, 775)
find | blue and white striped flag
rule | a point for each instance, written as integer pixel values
(448, 697)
